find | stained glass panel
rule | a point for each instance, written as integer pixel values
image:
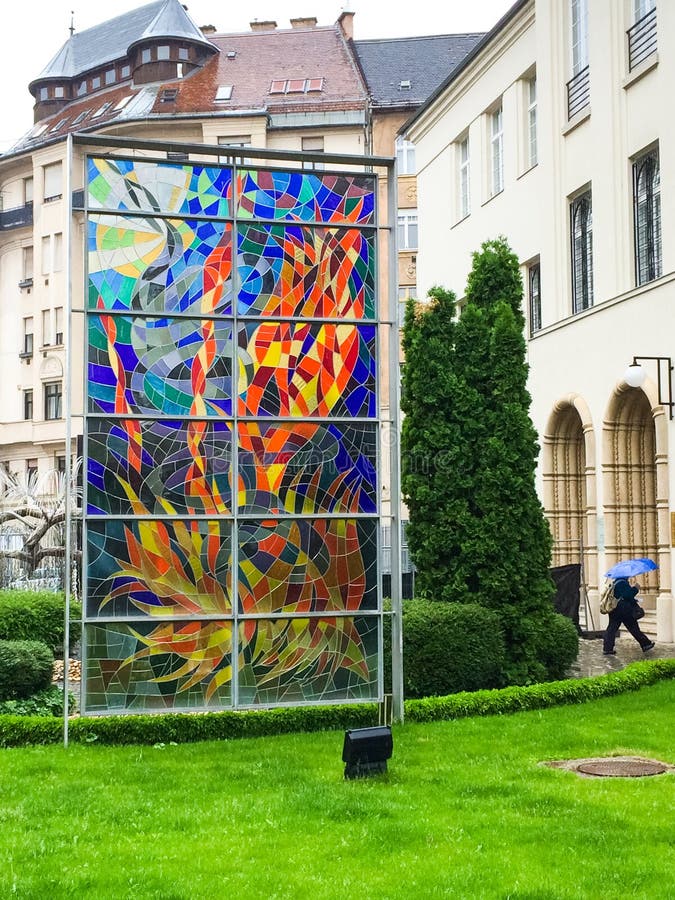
(307, 565)
(154, 667)
(307, 467)
(318, 660)
(306, 272)
(159, 467)
(177, 367)
(301, 196)
(302, 369)
(129, 185)
(167, 568)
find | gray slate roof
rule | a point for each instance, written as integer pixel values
(423, 61)
(110, 40)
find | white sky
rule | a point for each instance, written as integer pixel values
(45, 24)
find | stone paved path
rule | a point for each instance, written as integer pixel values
(591, 661)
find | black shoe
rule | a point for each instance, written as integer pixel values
(649, 646)
(613, 652)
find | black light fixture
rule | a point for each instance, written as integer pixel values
(366, 750)
(635, 377)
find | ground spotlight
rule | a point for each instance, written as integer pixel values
(366, 750)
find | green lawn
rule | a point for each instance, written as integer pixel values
(466, 811)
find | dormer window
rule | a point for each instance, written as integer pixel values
(102, 109)
(163, 52)
(81, 88)
(146, 55)
(81, 116)
(110, 76)
(96, 83)
(58, 91)
(125, 72)
(184, 53)
(44, 93)
(224, 92)
(405, 85)
(296, 85)
(168, 95)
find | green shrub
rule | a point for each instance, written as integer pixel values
(25, 668)
(48, 702)
(37, 616)
(556, 644)
(448, 647)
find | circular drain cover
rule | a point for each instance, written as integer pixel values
(622, 768)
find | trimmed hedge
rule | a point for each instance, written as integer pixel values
(18, 731)
(450, 647)
(25, 668)
(555, 641)
(37, 616)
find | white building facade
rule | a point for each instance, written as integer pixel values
(553, 134)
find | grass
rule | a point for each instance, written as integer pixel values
(465, 811)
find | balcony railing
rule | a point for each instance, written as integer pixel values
(578, 93)
(17, 217)
(642, 39)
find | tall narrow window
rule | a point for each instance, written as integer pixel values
(28, 190)
(405, 156)
(53, 397)
(57, 252)
(46, 254)
(534, 292)
(642, 35)
(581, 232)
(497, 148)
(647, 217)
(532, 122)
(52, 181)
(58, 327)
(312, 145)
(28, 405)
(47, 328)
(28, 263)
(27, 336)
(464, 179)
(579, 34)
(407, 229)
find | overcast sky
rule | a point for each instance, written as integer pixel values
(44, 24)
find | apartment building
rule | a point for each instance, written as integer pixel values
(552, 132)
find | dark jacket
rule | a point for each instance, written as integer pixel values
(625, 593)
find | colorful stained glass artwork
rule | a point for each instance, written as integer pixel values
(331, 659)
(303, 272)
(134, 186)
(307, 467)
(306, 369)
(173, 366)
(159, 467)
(307, 565)
(231, 449)
(301, 196)
(159, 265)
(150, 667)
(159, 568)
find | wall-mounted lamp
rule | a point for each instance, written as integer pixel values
(635, 377)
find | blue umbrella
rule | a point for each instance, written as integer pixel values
(629, 567)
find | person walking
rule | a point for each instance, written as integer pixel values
(625, 613)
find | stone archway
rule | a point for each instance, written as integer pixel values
(635, 481)
(568, 464)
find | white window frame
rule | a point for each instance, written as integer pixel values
(53, 181)
(578, 35)
(407, 229)
(405, 156)
(313, 144)
(532, 149)
(464, 177)
(496, 151)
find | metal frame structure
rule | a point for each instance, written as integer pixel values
(117, 148)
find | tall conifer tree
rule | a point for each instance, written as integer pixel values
(477, 530)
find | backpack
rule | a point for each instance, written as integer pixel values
(607, 599)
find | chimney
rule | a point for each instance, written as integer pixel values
(304, 22)
(263, 26)
(208, 29)
(346, 23)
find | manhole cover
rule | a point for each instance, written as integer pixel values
(622, 768)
